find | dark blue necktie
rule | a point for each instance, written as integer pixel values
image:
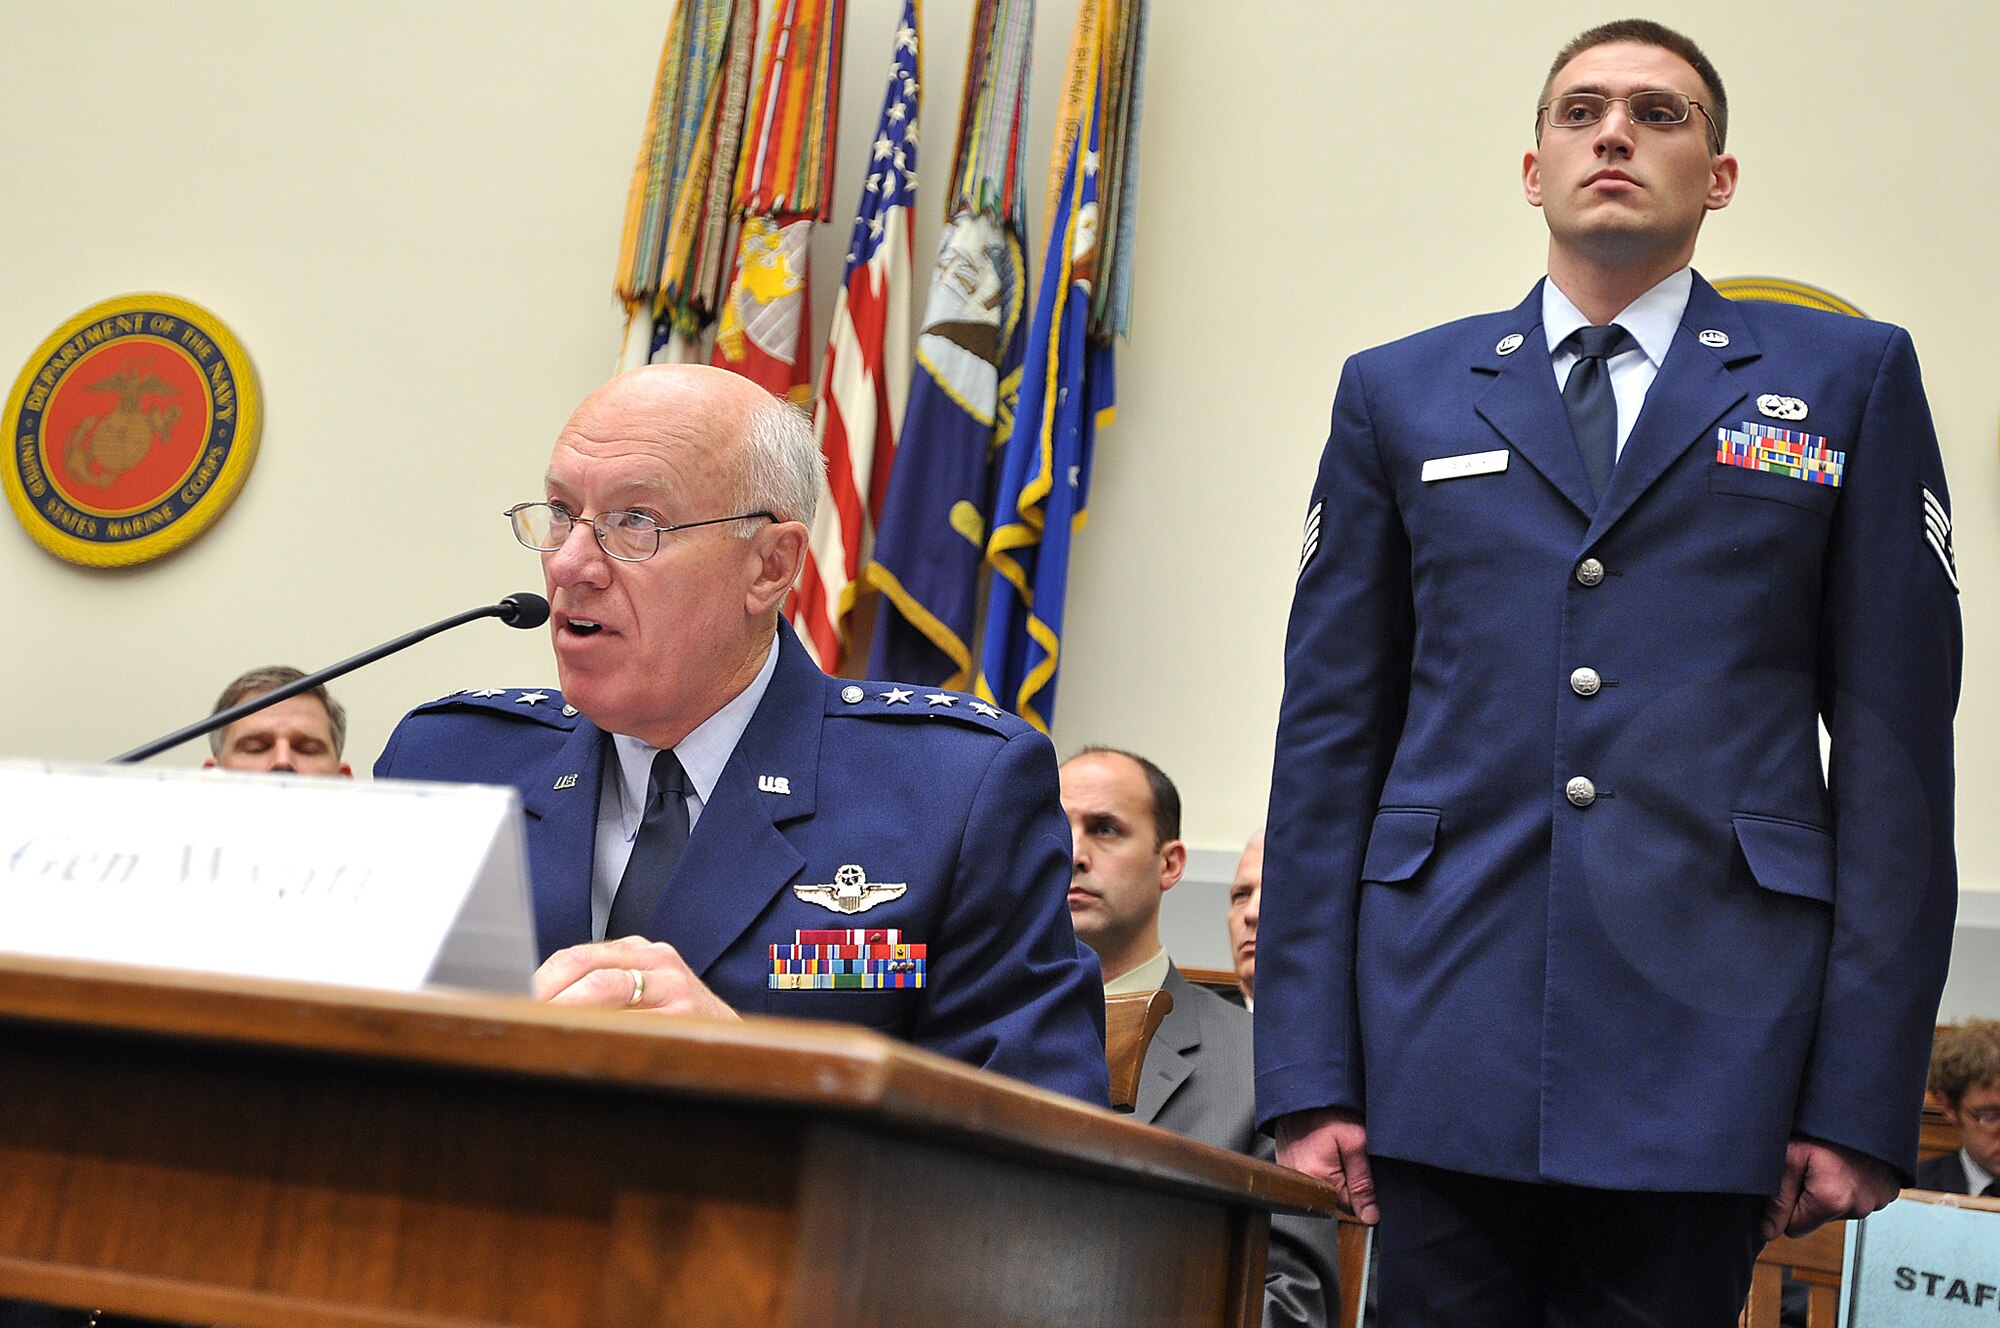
(1593, 410)
(663, 831)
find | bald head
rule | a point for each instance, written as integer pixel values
(653, 647)
(763, 446)
(1246, 899)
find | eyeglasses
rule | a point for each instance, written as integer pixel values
(1657, 108)
(630, 537)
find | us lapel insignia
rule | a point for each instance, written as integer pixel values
(566, 782)
(1508, 344)
(851, 891)
(1781, 408)
(1712, 338)
(774, 784)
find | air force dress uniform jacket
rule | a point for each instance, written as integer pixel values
(1554, 886)
(954, 810)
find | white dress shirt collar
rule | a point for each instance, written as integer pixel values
(1976, 1177)
(1149, 976)
(703, 752)
(1652, 319)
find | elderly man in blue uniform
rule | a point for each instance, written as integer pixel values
(1575, 969)
(713, 823)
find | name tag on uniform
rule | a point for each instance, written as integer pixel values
(1472, 463)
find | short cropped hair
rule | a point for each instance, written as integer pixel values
(269, 679)
(779, 469)
(1965, 1056)
(1647, 33)
(1166, 798)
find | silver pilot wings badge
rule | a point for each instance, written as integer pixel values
(851, 891)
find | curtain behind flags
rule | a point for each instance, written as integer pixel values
(677, 211)
(783, 185)
(1068, 387)
(866, 378)
(932, 536)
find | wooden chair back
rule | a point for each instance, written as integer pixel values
(1130, 1021)
(1814, 1261)
(1353, 1259)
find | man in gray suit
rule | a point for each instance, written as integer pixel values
(1125, 823)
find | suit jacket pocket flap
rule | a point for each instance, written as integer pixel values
(1788, 857)
(1400, 843)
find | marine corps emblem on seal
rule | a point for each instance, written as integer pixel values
(130, 430)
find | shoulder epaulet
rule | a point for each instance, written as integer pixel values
(895, 700)
(541, 705)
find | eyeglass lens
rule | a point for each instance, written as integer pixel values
(1576, 109)
(628, 535)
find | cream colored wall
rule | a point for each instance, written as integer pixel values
(409, 213)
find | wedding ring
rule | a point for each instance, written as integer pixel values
(638, 987)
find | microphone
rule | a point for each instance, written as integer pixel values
(523, 609)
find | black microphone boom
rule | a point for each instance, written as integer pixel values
(523, 609)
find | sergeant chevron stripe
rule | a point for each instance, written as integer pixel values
(1312, 536)
(1937, 533)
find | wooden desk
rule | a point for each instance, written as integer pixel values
(270, 1155)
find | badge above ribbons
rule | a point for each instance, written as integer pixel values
(130, 431)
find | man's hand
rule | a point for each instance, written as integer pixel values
(1824, 1183)
(631, 973)
(1331, 1145)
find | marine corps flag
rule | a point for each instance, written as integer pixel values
(867, 373)
(783, 183)
(1067, 387)
(932, 538)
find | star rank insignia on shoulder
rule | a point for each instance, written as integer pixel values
(882, 700)
(536, 703)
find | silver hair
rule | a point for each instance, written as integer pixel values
(269, 679)
(781, 468)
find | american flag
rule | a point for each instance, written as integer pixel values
(866, 380)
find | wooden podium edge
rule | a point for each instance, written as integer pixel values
(764, 1059)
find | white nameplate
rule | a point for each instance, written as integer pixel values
(392, 884)
(1472, 463)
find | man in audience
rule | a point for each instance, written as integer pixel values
(1125, 818)
(303, 734)
(1965, 1075)
(707, 810)
(1246, 894)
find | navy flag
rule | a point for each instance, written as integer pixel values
(1067, 390)
(933, 533)
(931, 540)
